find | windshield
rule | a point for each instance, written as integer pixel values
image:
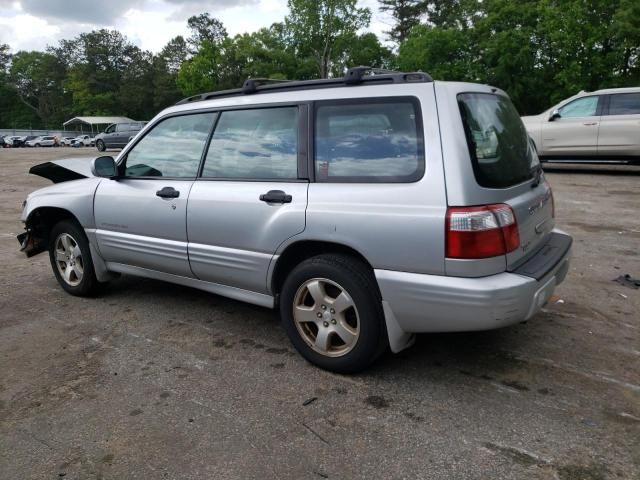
(500, 149)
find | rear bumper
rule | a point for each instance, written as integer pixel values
(431, 303)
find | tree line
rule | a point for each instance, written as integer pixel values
(539, 51)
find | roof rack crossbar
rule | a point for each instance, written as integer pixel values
(354, 76)
(250, 85)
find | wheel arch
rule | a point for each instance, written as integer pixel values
(299, 251)
(42, 219)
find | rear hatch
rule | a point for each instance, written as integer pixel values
(506, 170)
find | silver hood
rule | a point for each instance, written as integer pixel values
(64, 170)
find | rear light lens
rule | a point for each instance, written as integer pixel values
(481, 232)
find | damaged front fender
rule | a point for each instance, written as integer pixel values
(31, 244)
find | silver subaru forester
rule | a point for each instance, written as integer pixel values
(366, 208)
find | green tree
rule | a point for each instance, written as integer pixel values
(108, 75)
(202, 73)
(406, 15)
(166, 66)
(445, 53)
(205, 29)
(460, 14)
(363, 49)
(38, 80)
(317, 27)
(267, 54)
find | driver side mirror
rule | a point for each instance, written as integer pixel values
(104, 167)
(555, 114)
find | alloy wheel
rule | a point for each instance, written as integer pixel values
(69, 259)
(326, 317)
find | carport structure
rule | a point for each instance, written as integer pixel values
(93, 124)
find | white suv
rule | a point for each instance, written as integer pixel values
(600, 126)
(45, 141)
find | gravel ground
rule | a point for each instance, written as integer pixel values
(151, 380)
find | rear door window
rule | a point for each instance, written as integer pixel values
(254, 144)
(379, 140)
(624, 104)
(501, 151)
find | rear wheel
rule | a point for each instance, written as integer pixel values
(70, 257)
(332, 312)
(100, 146)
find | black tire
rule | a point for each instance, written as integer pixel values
(38, 145)
(359, 283)
(100, 146)
(88, 284)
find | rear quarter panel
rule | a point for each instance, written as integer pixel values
(532, 207)
(395, 226)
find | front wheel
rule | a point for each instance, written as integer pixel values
(100, 146)
(332, 312)
(70, 257)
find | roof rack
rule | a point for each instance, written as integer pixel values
(354, 76)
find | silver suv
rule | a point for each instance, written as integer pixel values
(365, 208)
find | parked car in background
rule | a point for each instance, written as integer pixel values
(396, 221)
(3, 143)
(27, 139)
(42, 141)
(18, 141)
(590, 127)
(118, 135)
(82, 141)
(66, 141)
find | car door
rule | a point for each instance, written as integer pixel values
(109, 135)
(134, 128)
(620, 126)
(141, 216)
(575, 130)
(251, 195)
(121, 136)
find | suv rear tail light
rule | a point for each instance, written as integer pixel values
(481, 232)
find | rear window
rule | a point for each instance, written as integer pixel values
(501, 153)
(379, 140)
(625, 104)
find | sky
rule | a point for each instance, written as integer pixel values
(150, 24)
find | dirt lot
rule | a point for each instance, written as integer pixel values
(152, 380)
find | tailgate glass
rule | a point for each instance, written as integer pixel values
(499, 146)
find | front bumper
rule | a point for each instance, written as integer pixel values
(432, 303)
(30, 244)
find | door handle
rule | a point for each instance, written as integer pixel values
(276, 196)
(168, 192)
(590, 123)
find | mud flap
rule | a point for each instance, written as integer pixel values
(398, 338)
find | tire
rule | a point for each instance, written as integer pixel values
(352, 340)
(38, 145)
(100, 146)
(75, 274)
